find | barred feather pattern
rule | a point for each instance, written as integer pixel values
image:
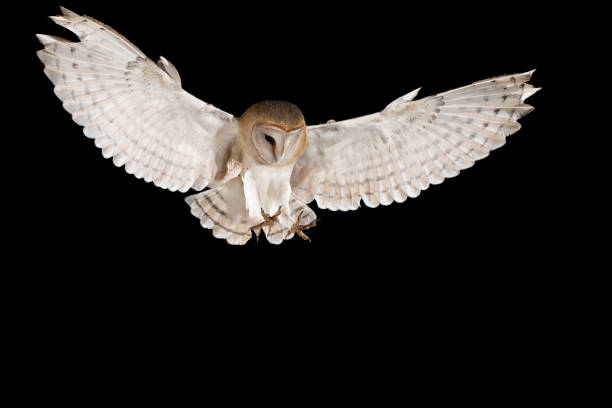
(395, 154)
(223, 210)
(134, 109)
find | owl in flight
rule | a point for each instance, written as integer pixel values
(264, 167)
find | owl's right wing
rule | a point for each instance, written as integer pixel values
(135, 109)
(398, 152)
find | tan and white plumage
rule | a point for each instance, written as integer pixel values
(268, 160)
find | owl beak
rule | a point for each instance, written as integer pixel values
(279, 148)
(291, 139)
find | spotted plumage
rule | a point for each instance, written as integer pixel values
(262, 169)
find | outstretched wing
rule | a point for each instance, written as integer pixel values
(135, 109)
(394, 154)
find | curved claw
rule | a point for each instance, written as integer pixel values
(297, 228)
(268, 220)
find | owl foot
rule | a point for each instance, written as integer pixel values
(298, 228)
(267, 222)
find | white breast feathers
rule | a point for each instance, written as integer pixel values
(267, 188)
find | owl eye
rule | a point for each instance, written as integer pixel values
(270, 140)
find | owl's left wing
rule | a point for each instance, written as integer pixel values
(396, 153)
(135, 109)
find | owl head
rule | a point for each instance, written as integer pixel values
(274, 132)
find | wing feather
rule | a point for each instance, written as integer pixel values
(135, 109)
(397, 153)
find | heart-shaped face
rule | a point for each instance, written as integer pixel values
(276, 146)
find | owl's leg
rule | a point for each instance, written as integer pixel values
(268, 220)
(298, 228)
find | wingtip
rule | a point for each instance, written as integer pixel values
(410, 96)
(529, 91)
(46, 39)
(67, 12)
(529, 73)
(60, 20)
(40, 54)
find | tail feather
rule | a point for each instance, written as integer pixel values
(278, 231)
(222, 209)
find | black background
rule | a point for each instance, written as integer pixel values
(469, 254)
(464, 292)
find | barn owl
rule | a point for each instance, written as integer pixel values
(262, 169)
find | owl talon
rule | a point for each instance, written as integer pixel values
(268, 220)
(297, 228)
